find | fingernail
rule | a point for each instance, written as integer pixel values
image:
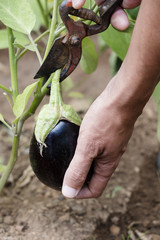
(69, 192)
(75, 3)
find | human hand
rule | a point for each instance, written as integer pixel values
(104, 134)
(119, 19)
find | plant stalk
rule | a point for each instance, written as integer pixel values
(13, 157)
(36, 49)
(55, 94)
(52, 28)
(13, 64)
(45, 18)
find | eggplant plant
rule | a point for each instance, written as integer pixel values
(25, 24)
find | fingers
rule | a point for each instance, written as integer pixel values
(77, 3)
(129, 4)
(126, 3)
(99, 180)
(119, 20)
(79, 167)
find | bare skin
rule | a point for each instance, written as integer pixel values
(109, 123)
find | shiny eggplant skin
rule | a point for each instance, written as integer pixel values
(51, 165)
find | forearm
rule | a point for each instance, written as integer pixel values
(140, 70)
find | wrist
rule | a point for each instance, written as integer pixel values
(126, 96)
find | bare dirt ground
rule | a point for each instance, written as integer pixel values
(129, 207)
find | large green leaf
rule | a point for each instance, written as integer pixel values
(37, 11)
(20, 39)
(118, 41)
(17, 15)
(22, 100)
(89, 59)
(3, 39)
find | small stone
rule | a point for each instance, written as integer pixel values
(137, 169)
(61, 197)
(8, 220)
(19, 228)
(64, 218)
(115, 219)
(115, 230)
(78, 210)
(156, 223)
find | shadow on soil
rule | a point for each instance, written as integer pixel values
(144, 199)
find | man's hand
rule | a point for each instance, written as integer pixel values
(119, 19)
(104, 134)
(109, 123)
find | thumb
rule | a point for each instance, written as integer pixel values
(78, 169)
(78, 3)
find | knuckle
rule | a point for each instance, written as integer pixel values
(77, 177)
(89, 147)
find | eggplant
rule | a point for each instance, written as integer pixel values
(51, 164)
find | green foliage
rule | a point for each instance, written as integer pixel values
(89, 58)
(3, 39)
(22, 100)
(17, 15)
(118, 41)
(113, 193)
(133, 12)
(3, 121)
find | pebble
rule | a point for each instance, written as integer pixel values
(156, 223)
(19, 228)
(115, 230)
(78, 210)
(115, 219)
(64, 218)
(8, 220)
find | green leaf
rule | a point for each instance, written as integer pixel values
(133, 12)
(22, 100)
(20, 38)
(17, 15)
(75, 94)
(3, 39)
(30, 47)
(118, 41)
(39, 18)
(3, 121)
(67, 84)
(89, 58)
(102, 44)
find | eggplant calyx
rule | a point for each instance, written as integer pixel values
(68, 113)
(47, 119)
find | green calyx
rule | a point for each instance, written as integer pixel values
(53, 112)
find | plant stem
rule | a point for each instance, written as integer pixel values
(55, 95)
(5, 89)
(36, 49)
(52, 28)
(13, 157)
(13, 64)
(45, 18)
(35, 41)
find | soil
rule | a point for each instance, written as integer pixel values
(129, 207)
